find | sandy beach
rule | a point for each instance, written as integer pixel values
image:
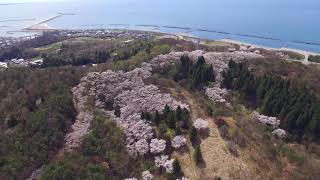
(299, 51)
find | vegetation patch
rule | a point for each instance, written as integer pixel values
(34, 117)
(103, 155)
(169, 123)
(296, 106)
(191, 75)
(293, 55)
(315, 58)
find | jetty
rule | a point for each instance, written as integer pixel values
(147, 25)
(258, 37)
(177, 27)
(212, 31)
(305, 42)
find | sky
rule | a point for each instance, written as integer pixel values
(26, 1)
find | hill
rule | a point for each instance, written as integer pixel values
(157, 108)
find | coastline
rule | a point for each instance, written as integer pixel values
(184, 32)
(268, 48)
(43, 26)
(305, 53)
(232, 41)
(187, 31)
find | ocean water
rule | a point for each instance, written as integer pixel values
(284, 20)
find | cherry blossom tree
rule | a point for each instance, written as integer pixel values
(201, 125)
(146, 175)
(157, 146)
(178, 142)
(271, 121)
(165, 162)
(142, 146)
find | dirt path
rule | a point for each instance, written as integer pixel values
(219, 162)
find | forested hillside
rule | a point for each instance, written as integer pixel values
(36, 110)
(296, 105)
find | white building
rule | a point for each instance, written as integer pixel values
(3, 65)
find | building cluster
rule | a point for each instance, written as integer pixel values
(21, 63)
(101, 33)
(9, 41)
(98, 33)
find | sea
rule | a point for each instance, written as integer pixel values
(270, 23)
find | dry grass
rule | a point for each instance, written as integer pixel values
(218, 161)
(218, 43)
(258, 158)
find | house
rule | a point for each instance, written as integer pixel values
(3, 65)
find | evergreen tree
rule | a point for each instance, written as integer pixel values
(109, 104)
(198, 74)
(145, 115)
(293, 103)
(314, 124)
(179, 113)
(176, 168)
(171, 120)
(185, 119)
(157, 117)
(193, 135)
(166, 111)
(197, 154)
(185, 67)
(117, 111)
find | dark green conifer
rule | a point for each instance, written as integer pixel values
(117, 111)
(197, 154)
(193, 134)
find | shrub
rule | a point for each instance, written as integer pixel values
(160, 49)
(117, 111)
(176, 173)
(314, 58)
(197, 154)
(193, 135)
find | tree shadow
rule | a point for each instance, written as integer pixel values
(201, 164)
(183, 150)
(204, 134)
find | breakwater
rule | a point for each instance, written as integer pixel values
(308, 43)
(177, 27)
(147, 25)
(259, 37)
(212, 31)
(16, 20)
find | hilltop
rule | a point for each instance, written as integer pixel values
(142, 105)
